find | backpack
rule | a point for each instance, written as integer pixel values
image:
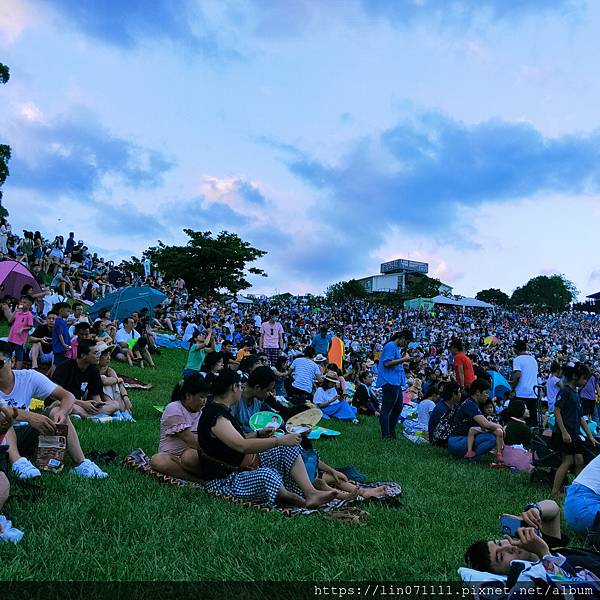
(444, 428)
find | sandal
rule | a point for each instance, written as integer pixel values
(351, 516)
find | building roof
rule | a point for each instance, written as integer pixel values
(595, 296)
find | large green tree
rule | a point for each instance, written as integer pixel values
(554, 292)
(4, 149)
(493, 296)
(423, 287)
(208, 264)
(345, 290)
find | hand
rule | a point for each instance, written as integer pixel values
(59, 415)
(567, 438)
(119, 380)
(88, 406)
(41, 423)
(532, 518)
(6, 419)
(339, 476)
(265, 432)
(592, 440)
(290, 439)
(529, 540)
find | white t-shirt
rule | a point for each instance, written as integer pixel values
(189, 332)
(28, 384)
(123, 336)
(590, 476)
(552, 389)
(321, 396)
(529, 374)
(424, 411)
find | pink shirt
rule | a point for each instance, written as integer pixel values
(22, 320)
(176, 418)
(271, 334)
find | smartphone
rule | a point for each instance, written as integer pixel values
(509, 525)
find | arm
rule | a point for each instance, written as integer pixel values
(61, 339)
(226, 433)
(559, 421)
(460, 376)
(188, 437)
(262, 339)
(485, 424)
(515, 379)
(590, 437)
(8, 315)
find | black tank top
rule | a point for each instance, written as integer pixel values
(214, 447)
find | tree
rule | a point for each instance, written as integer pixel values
(345, 290)
(208, 264)
(554, 292)
(423, 287)
(4, 149)
(134, 265)
(493, 296)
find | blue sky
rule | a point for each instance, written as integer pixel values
(334, 135)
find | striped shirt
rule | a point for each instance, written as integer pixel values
(305, 372)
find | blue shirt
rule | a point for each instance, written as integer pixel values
(60, 326)
(570, 410)
(465, 417)
(321, 344)
(441, 408)
(394, 375)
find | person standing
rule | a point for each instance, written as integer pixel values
(463, 366)
(271, 337)
(391, 377)
(525, 378)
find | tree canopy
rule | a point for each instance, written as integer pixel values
(493, 296)
(345, 290)
(209, 265)
(423, 287)
(554, 292)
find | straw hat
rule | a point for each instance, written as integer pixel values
(319, 358)
(332, 377)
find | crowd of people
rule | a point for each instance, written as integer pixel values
(352, 360)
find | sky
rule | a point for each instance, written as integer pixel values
(332, 134)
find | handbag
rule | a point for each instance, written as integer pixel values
(253, 463)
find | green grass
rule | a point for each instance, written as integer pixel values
(130, 527)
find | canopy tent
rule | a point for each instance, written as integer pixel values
(474, 303)
(500, 387)
(419, 304)
(239, 300)
(128, 300)
(439, 299)
(13, 277)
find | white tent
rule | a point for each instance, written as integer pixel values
(474, 303)
(239, 300)
(444, 300)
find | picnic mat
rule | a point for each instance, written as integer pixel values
(139, 461)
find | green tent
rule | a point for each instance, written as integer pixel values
(419, 304)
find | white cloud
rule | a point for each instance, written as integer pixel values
(15, 16)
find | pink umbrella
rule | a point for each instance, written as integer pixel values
(13, 277)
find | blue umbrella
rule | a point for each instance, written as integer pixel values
(128, 300)
(500, 387)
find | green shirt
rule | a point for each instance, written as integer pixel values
(195, 358)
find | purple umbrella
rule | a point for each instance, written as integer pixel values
(13, 277)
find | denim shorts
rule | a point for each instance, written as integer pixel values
(18, 351)
(582, 505)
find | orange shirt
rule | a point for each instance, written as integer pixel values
(462, 360)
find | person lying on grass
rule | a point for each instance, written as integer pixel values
(81, 377)
(6, 422)
(256, 466)
(17, 388)
(539, 539)
(178, 447)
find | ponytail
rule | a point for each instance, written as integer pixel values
(194, 384)
(223, 381)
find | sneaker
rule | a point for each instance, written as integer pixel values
(23, 469)
(470, 454)
(89, 470)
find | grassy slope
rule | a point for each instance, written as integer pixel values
(129, 527)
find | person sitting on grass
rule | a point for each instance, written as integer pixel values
(569, 419)
(516, 430)
(81, 377)
(328, 400)
(256, 468)
(17, 388)
(213, 365)
(61, 340)
(41, 342)
(469, 415)
(200, 346)
(6, 422)
(364, 399)
(112, 385)
(490, 415)
(536, 542)
(132, 347)
(178, 447)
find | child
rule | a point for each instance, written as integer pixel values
(569, 418)
(490, 414)
(61, 340)
(22, 322)
(364, 398)
(426, 406)
(517, 431)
